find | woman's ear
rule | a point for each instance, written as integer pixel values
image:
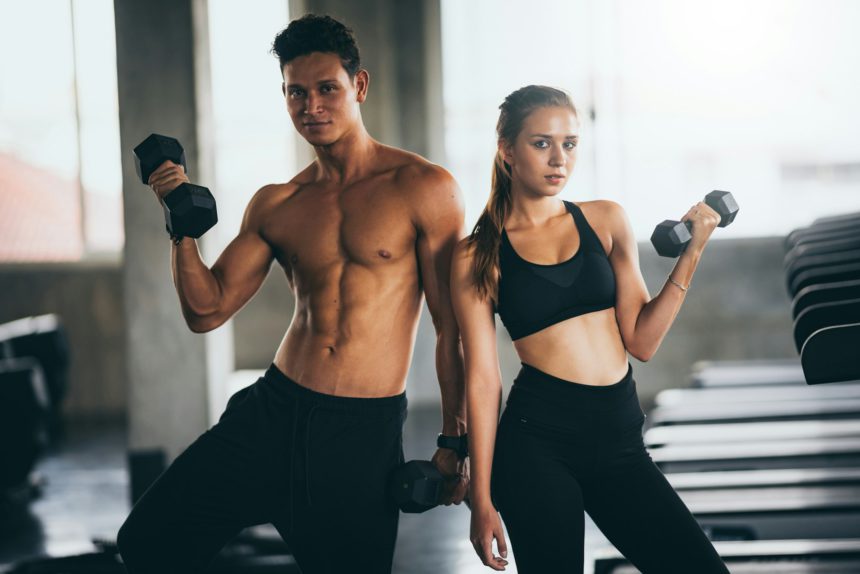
(506, 150)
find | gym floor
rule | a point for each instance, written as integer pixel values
(85, 496)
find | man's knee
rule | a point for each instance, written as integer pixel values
(131, 540)
(126, 540)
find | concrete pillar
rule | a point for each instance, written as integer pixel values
(417, 39)
(162, 74)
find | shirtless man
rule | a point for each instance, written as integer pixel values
(360, 233)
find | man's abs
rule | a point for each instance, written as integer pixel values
(362, 351)
(350, 256)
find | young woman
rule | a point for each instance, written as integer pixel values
(565, 280)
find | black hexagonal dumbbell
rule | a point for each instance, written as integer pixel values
(670, 238)
(189, 210)
(416, 486)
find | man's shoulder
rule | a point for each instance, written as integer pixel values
(269, 197)
(429, 190)
(422, 180)
(279, 192)
(411, 169)
(273, 193)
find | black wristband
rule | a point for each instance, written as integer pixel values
(459, 444)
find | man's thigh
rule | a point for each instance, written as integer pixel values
(216, 487)
(343, 517)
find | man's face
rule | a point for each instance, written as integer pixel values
(321, 98)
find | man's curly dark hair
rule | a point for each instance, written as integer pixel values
(313, 33)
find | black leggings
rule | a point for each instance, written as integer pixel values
(565, 447)
(314, 465)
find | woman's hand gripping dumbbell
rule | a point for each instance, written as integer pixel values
(671, 238)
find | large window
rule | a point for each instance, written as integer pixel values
(676, 98)
(60, 175)
(60, 172)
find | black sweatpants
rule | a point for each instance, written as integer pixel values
(314, 465)
(565, 447)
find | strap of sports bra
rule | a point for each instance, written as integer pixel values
(587, 236)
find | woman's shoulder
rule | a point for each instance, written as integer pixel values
(464, 251)
(607, 218)
(600, 206)
(604, 212)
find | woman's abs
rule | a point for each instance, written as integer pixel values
(587, 349)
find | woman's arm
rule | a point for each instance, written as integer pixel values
(483, 399)
(643, 321)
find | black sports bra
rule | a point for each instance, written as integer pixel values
(533, 296)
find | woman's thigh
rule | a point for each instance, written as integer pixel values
(540, 501)
(642, 515)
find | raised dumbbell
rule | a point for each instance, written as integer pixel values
(189, 210)
(670, 238)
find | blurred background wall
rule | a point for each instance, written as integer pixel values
(676, 98)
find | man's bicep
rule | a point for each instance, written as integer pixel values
(241, 269)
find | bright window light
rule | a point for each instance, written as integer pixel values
(758, 98)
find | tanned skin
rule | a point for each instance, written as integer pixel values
(363, 234)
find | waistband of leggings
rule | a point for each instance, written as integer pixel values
(280, 383)
(550, 386)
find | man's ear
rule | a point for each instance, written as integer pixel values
(284, 88)
(362, 82)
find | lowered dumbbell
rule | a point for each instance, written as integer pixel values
(416, 486)
(189, 210)
(670, 238)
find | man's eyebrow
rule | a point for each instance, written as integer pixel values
(321, 82)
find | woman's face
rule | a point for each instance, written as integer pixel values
(544, 153)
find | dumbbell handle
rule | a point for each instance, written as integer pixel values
(725, 218)
(720, 201)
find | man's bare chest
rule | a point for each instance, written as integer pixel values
(367, 227)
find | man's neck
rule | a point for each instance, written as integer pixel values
(348, 159)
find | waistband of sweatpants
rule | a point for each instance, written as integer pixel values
(283, 385)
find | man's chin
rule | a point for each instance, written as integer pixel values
(318, 140)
